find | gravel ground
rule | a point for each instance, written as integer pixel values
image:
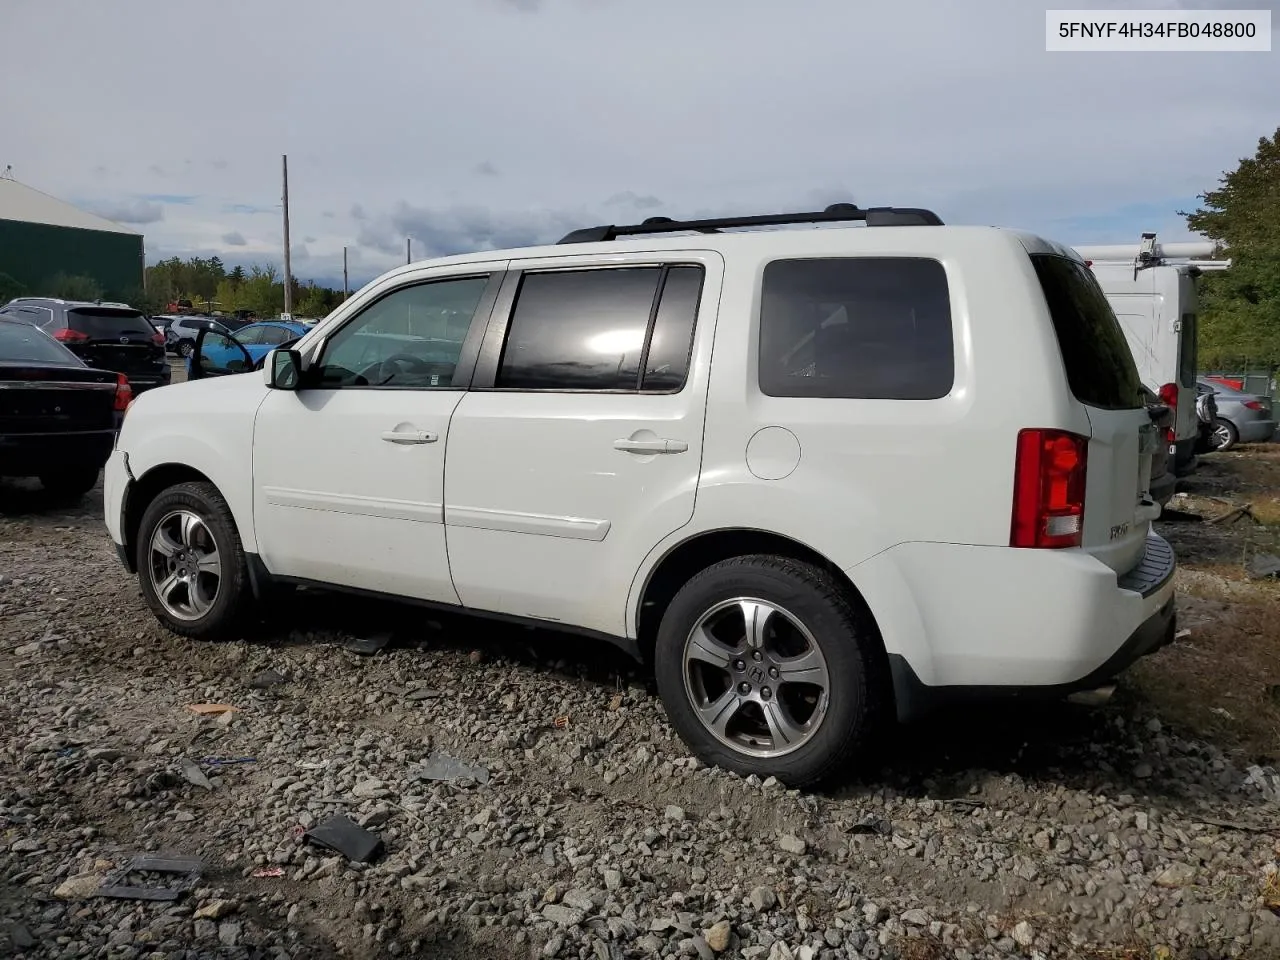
(1030, 832)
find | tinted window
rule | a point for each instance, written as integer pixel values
(250, 335)
(410, 338)
(1095, 353)
(856, 328)
(579, 330)
(40, 316)
(667, 361)
(1188, 360)
(22, 341)
(277, 335)
(98, 322)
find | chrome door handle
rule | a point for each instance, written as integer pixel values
(408, 436)
(650, 446)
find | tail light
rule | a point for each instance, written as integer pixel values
(1169, 397)
(158, 338)
(1048, 489)
(124, 393)
(1252, 405)
(67, 335)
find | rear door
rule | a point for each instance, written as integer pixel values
(1103, 377)
(112, 338)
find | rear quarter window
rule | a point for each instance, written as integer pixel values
(1095, 354)
(856, 328)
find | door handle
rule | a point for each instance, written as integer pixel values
(650, 446)
(408, 436)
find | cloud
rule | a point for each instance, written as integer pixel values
(234, 239)
(525, 6)
(308, 239)
(246, 208)
(485, 169)
(357, 212)
(181, 199)
(299, 252)
(129, 211)
(631, 199)
(219, 164)
(156, 170)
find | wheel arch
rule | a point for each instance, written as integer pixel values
(142, 491)
(698, 552)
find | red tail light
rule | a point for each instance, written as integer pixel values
(67, 335)
(124, 393)
(1252, 404)
(158, 338)
(1169, 397)
(1048, 489)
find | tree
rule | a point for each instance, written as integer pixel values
(67, 286)
(10, 288)
(1240, 307)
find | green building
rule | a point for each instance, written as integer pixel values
(46, 243)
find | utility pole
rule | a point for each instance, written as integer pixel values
(345, 289)
(408, 247)
(288, 271)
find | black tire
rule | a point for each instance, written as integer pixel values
(234, 597)
(855, 662)
(71, 483)
(1229, 435)
(185, 347)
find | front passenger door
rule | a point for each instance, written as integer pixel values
(348, 470)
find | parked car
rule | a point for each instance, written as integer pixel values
(1241, 417)
(181, 336)
(57, 414)
(720, 451)
(217, 352)
(1207, 419)
(112, 337)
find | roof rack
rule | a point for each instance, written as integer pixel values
(836, 213)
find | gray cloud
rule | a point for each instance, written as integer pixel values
(357, 212)
(299, 252)
(525, 6)
(485, 169)
(156, 170)
(130, 211)
(631, 199)
(234, 239)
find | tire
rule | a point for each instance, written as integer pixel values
(185, 348)
(1226, 435)
(801, 594)
(205, 608)
(71, 483)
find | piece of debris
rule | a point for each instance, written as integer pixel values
(264, 872)
(439, 766)
(370, 645)
(78, 887)
(1263, 565)
(211, 709)
(265, 679)
(422, 693)
(344, 836)
(1182, 635)
(718, 936)
(560, 723)
(1245, 510)
(876, 825)
(1175, 875)
(186, 869)
(216, 910)
(1222, 712)
(615, 704)
(192, 774)
(226, 762)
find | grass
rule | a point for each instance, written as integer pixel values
(1222, 682)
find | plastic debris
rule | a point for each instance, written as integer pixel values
(211, 709)
(186, 869)
(368, 646)
(192, 774)
(560, 723)
(263, 872)
(344, 836)
(439, 766)
(224, 762)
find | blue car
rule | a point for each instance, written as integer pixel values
(218, 354)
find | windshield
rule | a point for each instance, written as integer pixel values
(24, 343)
(99, 322)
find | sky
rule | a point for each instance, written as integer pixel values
(484, 124)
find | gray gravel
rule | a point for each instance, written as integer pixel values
(1041, 832)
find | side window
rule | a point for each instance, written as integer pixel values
(253, 335)
(869, 328)
(410, 338)
(274, 336)
(620, 328)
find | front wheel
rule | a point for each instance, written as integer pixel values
(765, 667)
(1225, 435)
(185, 348)
(191, 565)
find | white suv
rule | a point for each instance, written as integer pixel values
(812, 475)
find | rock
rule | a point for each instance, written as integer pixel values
(780, 951)
(21, 937)
(916, 918)
(1142, 771)
(874, 913)
(370, 790)
(217, 909)
(1023, 934)
(792, 844)
(265, 679)
(651, 944)
(1175, 875)
(1263, 565)
(718, 936)
(27, 845)
(553, 946)
(674, 813)
(578, 900)
(205, 930)
(612, 879)
(78, 887)
(763, 898)
(229, 933)
(563, 916)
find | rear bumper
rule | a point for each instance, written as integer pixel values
(1255, 431)
(31, 454)
(962, 622)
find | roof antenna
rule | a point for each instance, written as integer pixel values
(8, 173)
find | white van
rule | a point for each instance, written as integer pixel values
(1152, 289)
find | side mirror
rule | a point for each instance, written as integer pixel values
(283, 369)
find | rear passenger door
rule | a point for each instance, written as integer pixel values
(578, 447)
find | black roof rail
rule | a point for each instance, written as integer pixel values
(836, 213)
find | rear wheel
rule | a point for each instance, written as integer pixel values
(73, 482)
(765, 667)
(191, 564)
(1225, 435)
(184, 348)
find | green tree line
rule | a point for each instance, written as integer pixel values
(1240, 307)
(209, 285)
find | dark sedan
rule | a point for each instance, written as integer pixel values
(57, 415)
